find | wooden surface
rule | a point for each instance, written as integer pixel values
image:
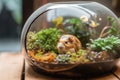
(12, 67)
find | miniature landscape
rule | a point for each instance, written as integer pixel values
(74, 40)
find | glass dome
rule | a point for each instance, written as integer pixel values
(64, 36)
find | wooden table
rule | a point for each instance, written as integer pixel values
(13, 67)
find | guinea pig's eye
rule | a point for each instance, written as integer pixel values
(66, 42)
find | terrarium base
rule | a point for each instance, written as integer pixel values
(76, 73)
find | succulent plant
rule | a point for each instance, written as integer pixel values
(110, 43)
(63, 58)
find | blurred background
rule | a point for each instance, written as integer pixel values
(14, 13)
(10, 24)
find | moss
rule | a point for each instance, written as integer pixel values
(31, 40)
(47, 39)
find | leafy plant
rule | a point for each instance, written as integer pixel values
(73, 58)
(79, 29)
(38, 54)
(79, 57)
(63, 58)
(31, 40)
(110, 43)
(48, 38)
(45, 39)
(114, 29)
(112, 26)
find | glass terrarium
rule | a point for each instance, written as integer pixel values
(72, 37)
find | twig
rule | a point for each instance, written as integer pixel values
(102, 34)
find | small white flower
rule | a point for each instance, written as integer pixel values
(84, 18)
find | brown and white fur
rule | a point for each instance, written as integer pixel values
(68, 43)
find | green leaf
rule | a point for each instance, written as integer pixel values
(105, 44)
(48, 39)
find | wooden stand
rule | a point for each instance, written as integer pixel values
(14, 67)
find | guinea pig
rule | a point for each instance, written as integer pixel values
(68, 43)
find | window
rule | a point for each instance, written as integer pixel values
(10, 24)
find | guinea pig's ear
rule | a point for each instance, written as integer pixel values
(71, 39)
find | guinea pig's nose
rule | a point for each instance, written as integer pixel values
(60, 46)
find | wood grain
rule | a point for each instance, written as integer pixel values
(117, 72)
(11, 65)
(32, 75)
(107, 77)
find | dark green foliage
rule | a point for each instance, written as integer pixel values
(114, 29)
(75, 21)
(79, 29)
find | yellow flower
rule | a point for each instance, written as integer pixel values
(93, 23)
(58, 21)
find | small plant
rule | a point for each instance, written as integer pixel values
(63, 58)
(31, 41)
(79, 29)
(109, 43)
(47, 39)
(80, 57)
(112, 26)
